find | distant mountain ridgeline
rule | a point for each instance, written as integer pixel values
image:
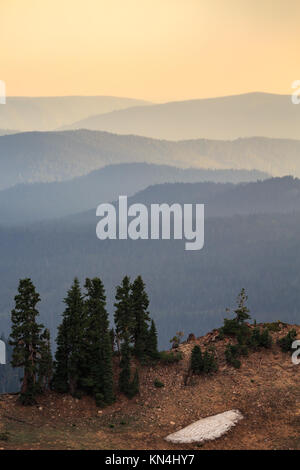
(274, 195)
(57, 156)
(228, 117)
(27, 203)
(49, 113)
(259, 250)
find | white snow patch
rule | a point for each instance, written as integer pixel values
(206, 429)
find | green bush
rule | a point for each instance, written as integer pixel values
(286, 342)
(260, 339)
(266, 339)
(197, 360)
(205, 363)
(221, 334)
(170, 357)
(209, 361)
(274, 326)
(158, 383)
(232, 353)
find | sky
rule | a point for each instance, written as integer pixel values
(158, 50)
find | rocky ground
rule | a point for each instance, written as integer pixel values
(266, 389)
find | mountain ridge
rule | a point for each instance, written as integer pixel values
(227, 117)
(56, 156)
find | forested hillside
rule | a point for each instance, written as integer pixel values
(259, 252)
(25, 203)
(57, 156)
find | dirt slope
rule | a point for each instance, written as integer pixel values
(266, 389)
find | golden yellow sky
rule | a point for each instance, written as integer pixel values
(158, 50)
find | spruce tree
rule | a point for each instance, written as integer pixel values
(139, 305)
(242, 311)
(70, 350)
(60, 382)
(197, 364)
(151, 343)
(124, 319)
(98, 342)
(26, 339)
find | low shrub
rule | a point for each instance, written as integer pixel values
(286, 342)
(205, 363)
(232, 353)
(260, 339)
(274, 326)
(170, 357)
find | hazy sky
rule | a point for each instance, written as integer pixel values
(154, 49)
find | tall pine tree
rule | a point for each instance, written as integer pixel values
(139, 305)
(124, 319)
(151, 343)
(60, 381)
(70, 342)
(99, 369)
(26, 339)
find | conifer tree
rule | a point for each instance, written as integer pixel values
(197, 360)
(26, 339)
(139, 305)
(151, 343)
(70, 350)
(60, 382)
(124, 320)
(98, 342)
(242, 311)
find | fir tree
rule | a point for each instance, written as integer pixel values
(98, 342)
(209, 362)
(26, 339)
(70, 350)
(197, 360)
(139, 305)
(124, 320)
(242, 311)
(60, 382)
(151, 343)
